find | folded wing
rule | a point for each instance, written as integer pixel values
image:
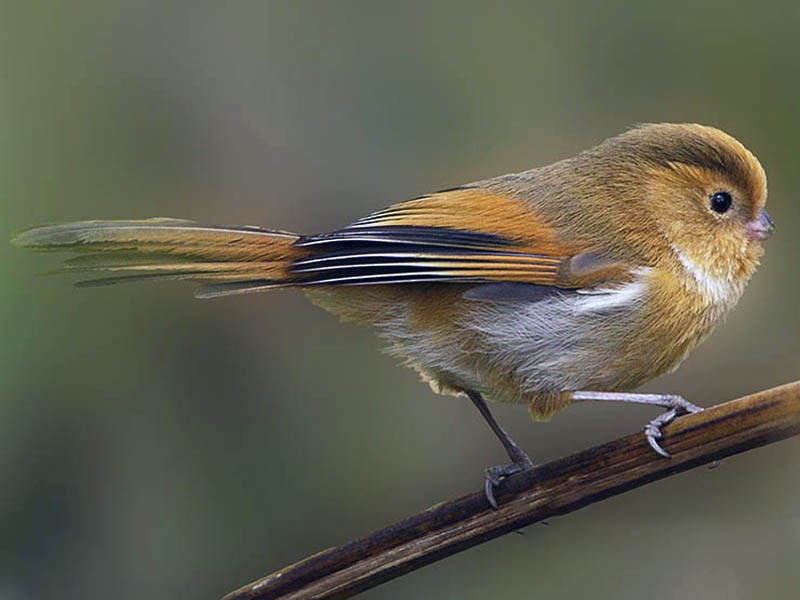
(458, 236)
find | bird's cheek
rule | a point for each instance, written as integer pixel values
(755, 251)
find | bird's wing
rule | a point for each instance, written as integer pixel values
(465, 235)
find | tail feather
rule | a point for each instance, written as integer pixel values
(217, 290)
(157, 249)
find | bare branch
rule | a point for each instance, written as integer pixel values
(555, 488)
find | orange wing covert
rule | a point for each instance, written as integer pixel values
(462, 235)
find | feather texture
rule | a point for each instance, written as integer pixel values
(465, 235)
(159, 249)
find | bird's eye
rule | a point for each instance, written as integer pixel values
(721, 202)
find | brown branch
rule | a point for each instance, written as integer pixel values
(556, 488)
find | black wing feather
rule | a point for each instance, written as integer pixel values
(393, 254)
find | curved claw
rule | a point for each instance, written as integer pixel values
(488, 488)
(652, 434)
(494, 475)
(492, 481)
(653, 429)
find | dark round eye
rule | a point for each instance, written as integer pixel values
(721, 202)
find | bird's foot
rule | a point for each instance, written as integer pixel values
(677, 406)
(494, 475)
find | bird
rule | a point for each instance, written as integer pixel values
(572, 282)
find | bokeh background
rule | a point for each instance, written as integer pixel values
(155, 446)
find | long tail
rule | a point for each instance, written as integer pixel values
(229, 260)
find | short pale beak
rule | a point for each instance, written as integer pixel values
(761, 227)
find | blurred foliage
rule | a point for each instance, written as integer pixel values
(155, 446)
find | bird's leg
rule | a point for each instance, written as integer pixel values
(675, 405)
(519, 460)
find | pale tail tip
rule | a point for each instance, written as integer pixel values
(41, 236)
(20, 238)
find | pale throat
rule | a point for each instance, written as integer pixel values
(717, 290)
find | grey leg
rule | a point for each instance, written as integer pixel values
(675, 405)
(519, 460)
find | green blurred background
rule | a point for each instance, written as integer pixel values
(154, 446)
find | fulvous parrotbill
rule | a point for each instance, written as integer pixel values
(576, 281)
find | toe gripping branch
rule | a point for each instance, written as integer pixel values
(494, 475)
(652, 431)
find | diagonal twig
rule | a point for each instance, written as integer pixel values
(555, 488)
